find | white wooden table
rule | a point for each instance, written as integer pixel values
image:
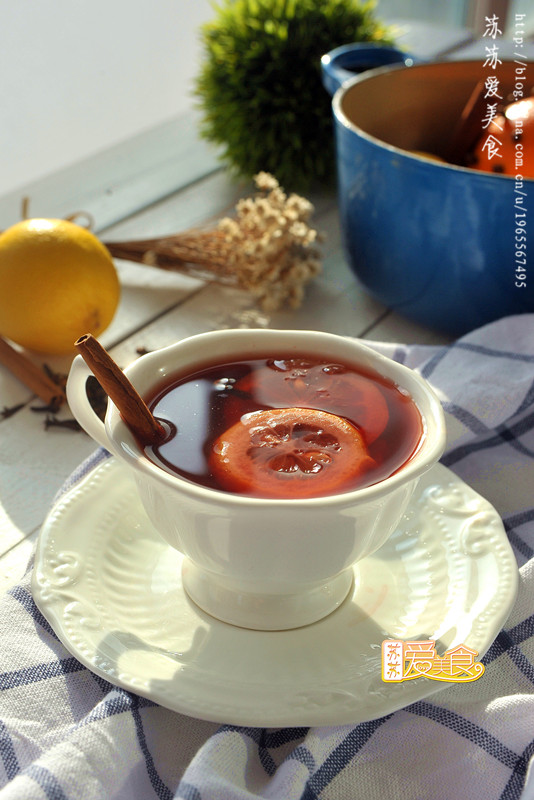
(120, 188)
(158, 308)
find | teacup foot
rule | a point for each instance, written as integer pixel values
(229, 602)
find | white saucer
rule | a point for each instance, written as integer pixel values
(111, 589)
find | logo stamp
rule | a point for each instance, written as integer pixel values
(404, 661)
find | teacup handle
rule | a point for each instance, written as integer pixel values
(81, 407)
(343, 63)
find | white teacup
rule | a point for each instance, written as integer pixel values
(266, 564)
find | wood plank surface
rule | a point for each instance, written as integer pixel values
(156, 309)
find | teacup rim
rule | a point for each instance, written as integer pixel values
(425, 456)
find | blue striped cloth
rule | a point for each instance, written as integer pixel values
(66, 733)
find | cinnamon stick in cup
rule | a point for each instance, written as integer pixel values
(116, 385)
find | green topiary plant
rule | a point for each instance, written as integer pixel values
(260, 87)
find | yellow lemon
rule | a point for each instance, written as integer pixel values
(57, 282)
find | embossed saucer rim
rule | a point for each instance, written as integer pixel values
(268, 685)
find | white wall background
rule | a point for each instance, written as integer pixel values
(451, 12)
(77, 76)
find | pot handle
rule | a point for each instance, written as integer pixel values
(343, 63)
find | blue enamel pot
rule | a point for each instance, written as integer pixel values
(447, 246)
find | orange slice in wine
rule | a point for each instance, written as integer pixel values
(331, 387)
(289, 453)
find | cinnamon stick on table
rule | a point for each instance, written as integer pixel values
(116, 385)
(30, 375)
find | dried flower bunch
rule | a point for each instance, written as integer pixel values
(267, 249)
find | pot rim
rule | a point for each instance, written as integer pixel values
(341, 117)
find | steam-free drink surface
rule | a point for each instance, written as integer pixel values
(226, 434)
